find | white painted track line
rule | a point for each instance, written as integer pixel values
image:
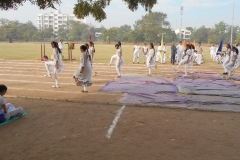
(41, 82)
(114, 123)
(57, 91)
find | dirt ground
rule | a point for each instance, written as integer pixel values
(67, 130)
(66, 124)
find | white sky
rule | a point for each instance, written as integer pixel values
(196, 12)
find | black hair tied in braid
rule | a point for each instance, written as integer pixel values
(151, 44)
(55, 44)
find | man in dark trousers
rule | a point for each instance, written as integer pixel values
(173, 53)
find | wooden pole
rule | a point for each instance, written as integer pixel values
(41, 52)
(44, 48)
(68, 52)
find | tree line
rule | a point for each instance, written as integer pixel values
(149, 28)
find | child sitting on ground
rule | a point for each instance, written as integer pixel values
(8, 109)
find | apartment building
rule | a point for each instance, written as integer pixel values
(55, 20)
(185, 33)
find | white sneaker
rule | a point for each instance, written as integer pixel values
(55, 86)
(47, 75)
(185, 75)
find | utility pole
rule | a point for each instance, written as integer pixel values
(232, 23)
(180, 32)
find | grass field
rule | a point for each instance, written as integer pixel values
(31, 51)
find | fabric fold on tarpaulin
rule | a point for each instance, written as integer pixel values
(222, 88)
(201, 102)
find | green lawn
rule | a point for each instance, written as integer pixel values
(31, 51)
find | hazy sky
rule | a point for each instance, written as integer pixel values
(196, 12)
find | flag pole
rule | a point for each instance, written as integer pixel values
(232, 24)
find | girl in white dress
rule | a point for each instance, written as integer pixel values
(226, 58)
(233, 62)
(212, 51)
(150, 60)
(56, 65)
(83, 76)
(237, 63)
(114, 57)
(136, 52)
(92, 52)
(185, 60)
(119, 61)
(192, 58)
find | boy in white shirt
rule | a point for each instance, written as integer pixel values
(8, 109)
(136, 52)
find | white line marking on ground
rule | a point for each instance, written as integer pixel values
(63, 73)
(56, 91)
(60, 77)
(40, 82)
(114, 123)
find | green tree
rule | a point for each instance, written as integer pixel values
(109, 35)
(10, 31)
(200, 34)
(190, 29)
(96, 8)
(27, 30)
(152, 26)
(78, 31)
(63, 32)
(83, 8)
(218, 32)
(14, 4)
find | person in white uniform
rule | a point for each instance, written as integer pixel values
(199, 56)
(114, 57)
(238, 46)
(164, 52)
(83, 75)
(136, 52)
(56, 65)
(185, 60)
(119, 61)
(150, 60)
(92, 51)
(237, 63)
(6, 108)
(226, 59)
(192, 58)
(158, 55)
(144, 52)
(212, 52)
(180, 51)
(61, 45)
(232, 62)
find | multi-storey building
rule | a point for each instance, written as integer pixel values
(55, 20)
(185, 34)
